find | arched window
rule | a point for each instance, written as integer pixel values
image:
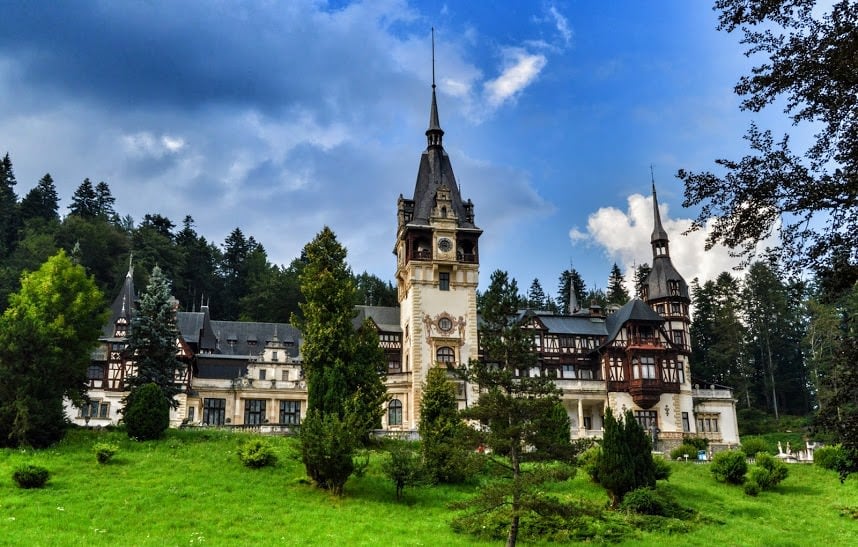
(445, 355)
(394, 412)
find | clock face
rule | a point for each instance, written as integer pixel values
(445, 245)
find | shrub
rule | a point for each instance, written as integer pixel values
(257, 453)
(147, 413)
(730, 466)
(752, 446)
(31, 476)
(403, 467)
(768, 472)
(699, 443)
(642, 501)
(104, 452)
(589, 462)
(662, 468)
(327, 447)
(752, 488)
(685, 449)
(829, 457)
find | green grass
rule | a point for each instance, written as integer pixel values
(190, 488)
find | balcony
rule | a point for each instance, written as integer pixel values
(646, 392)
(644, 342)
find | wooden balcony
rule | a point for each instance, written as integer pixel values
(647, 392)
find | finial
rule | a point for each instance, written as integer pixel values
(433, 57)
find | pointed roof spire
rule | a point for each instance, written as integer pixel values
(434, 133)
(658, 232)
(573, 299)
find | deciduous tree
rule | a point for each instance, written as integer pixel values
(46, 336)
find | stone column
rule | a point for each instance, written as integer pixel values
(582, 432)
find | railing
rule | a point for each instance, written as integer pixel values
(649, 341)
(577, 385)
(470, 258)
(707, 393)
(422, 255)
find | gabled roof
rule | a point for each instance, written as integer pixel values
(196, 328)
(386, 318)
(635, 310)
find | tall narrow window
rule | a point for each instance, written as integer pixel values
(686, 424)
(254, 411)
(214, 411)
(444, 281)
(394, 412)
(290, 412)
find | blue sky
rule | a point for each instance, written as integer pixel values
(282, 117)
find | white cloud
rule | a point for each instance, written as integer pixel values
(520, 70)
(561, 23)
(625, 237)
(145, 143)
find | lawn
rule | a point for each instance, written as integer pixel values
(190, 489)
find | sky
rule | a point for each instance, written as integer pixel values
(281, 117)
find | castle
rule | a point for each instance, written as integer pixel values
(243, 374)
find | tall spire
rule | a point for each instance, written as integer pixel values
(659, 238)
(434, 134)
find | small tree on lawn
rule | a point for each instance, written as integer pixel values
(153, 339)
(513, 407)
(403, 467)
(327, 448)
(146, 413)
(626, 460)
(446, 456)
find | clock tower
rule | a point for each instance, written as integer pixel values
(437, 270)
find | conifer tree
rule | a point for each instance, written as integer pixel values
(41, 202)
(104, 201)
(442, 431)
(84, 201)
(8, 207)
(536, 299)
(153, 337)
(617, 293)
(625, 463)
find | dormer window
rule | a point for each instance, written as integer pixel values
(274, 356)
(673, 287)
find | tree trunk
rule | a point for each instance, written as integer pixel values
(512, 538)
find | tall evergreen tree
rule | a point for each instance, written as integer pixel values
(41, 202)
(104, 201)
(46, 336)
(8, 207)
(641, 275)
(515, 406)
(617, 293)
(571, 280)
(442, 430)
(153, 337)
(625, 463)
(536, 298)
(84, 201)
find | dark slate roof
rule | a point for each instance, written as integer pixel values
(196, 328)
(243, 331)
(635, 310)
(657, 280)
(123, 305)
(436, 170)
(221, 367)
(571, 324)
(385, 317)
(658, 231)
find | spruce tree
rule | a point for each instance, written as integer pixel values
(625, 463)
(442, 431)
(84, 201)
(153, 338)
(8, 207)
(617, 293)
(41, 202)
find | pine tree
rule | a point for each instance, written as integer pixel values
(41, 202)
(516, 408)
(536, 296)
(153, 337)
(442, 432)
(617, 293)
(84, 201)
(8, 207)
(571, 280)
(641, 275)
(104, 201)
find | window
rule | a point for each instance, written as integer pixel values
(95, 372)
(254, 411)
(214, 411)
(444, 281)
(445, 324)
(686, 424)
(274, 356)
(647, 419)
(678, 337)
(707, 423)
(644, 368)
(673, 287)
(394, 412)
(284, 375)
(95, 409)
(675, 308)
(262, 373)
(588, 422)
(585, 374)
(290, 412)
(568, 371)
(394, 363)
(617, 373)
(445, 355)
(191, 413)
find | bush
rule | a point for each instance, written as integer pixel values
(752, 488)
(104, 452)
(327, 447)
(626, 462)
(752, 446)
(256, 453)
(829, 457)
(730, 466)
(403, 467)
(662, 468)
(589, 462)
(768, 472)
(642, 501)
(685, 449)
(31, 476)
(699, 443)
(147, 413)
